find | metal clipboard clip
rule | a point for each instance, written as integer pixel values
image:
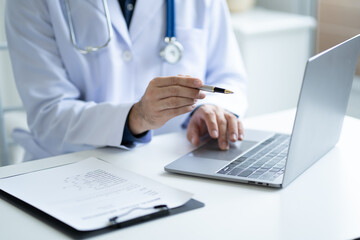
(162, 210)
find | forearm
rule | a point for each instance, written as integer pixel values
(79, 123)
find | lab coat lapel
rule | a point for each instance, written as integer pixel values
(118, 21)
(144, 11)
(116, 16)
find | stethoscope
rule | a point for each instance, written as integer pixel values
(89, 49)
(173, 50)
(171, 53)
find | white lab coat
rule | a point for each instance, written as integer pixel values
(76, 102)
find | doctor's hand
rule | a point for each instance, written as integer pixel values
(216, 121)
(164, 98)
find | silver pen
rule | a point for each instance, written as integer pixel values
(213, 89)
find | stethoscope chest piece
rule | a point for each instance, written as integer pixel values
(173, 50)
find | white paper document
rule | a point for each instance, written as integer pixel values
(86, 194)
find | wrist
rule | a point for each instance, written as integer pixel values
(136, 121)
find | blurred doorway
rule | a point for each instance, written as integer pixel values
(338, 21)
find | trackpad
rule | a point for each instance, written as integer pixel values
(211, 150)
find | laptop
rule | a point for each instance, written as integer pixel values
(275, 159)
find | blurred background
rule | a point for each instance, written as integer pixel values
(276, 37)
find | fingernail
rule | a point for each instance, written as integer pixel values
(202, 95)
(198, 82)
(215, 133)
(241, 136)
(224, 145)
(193, 140)
(234, 137)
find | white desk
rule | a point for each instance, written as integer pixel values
(323, 203)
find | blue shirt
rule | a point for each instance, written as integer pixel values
(127, 8)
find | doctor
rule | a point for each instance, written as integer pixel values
(95, 73)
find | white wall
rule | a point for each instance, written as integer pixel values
(275, 47)
(304, 7)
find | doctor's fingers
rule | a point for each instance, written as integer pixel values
(241, 130)
(209, 117)
(232, 126)
(195, 130)
(223, 134)
(174, 102)
(179, 91)
(176, 80)
(217, 124)
(174, 112)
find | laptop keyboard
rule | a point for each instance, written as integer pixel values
(265, 162)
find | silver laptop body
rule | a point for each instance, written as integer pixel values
(275, 160)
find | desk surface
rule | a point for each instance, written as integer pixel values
(323, 203)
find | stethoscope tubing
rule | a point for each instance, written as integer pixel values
(170, 37)
(89, 49)
(170, 19)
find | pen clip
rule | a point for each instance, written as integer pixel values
(162, 210)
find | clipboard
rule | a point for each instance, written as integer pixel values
(192, 204)
(92, 196)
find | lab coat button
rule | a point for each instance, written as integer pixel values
(130, 7)
(127, 56)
